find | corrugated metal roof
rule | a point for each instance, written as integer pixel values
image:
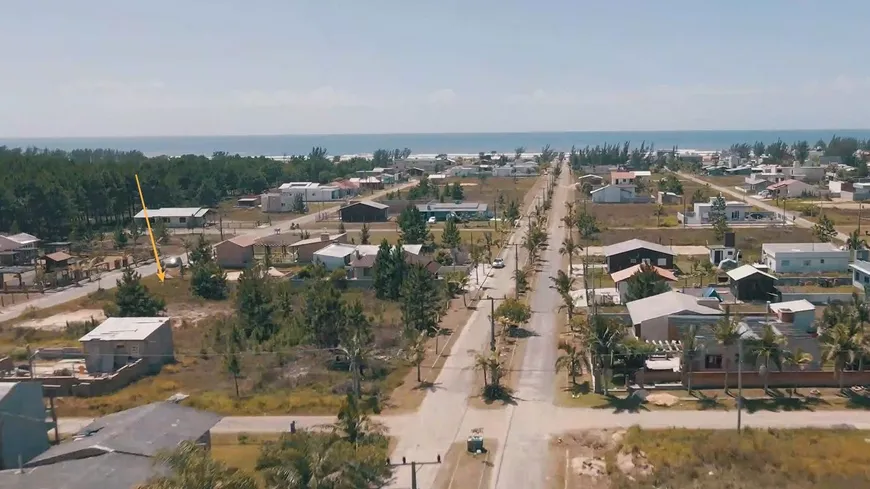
(634, 244)
(664, 305)
(369, 203)
(740, 273)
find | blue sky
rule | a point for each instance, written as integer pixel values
(185, 67)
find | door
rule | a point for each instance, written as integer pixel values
(717, 256)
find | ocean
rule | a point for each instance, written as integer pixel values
(458, 143)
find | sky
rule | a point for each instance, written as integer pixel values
(216, 67)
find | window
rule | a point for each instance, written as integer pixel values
(857, 277)
(134, 350)
(866, 279)
(713, 362)
(182, 220)
(165, 220)
(808, 263)
(785, 263)
(663, 262)
(634, 260)
(646, 261)
(822, 261)
(735, 215)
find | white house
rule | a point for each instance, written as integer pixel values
(804, 257)
(649, 316)
(310, 191)
(860, 274)
(801, 313)
(177, 217)
(792, 188)
(734, 211)
(622, 178)
(614, 194)
(334, 256)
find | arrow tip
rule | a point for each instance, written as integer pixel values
(161, 275)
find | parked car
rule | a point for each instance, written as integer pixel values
(171, 262)
(498, 263)
(432, 220)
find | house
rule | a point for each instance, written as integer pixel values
(666, 198)
(622, 178)
(362, 266)
(808, 174)
(621, 277)
(371, 183)
(364, 211)
(626, 254)
(804, 257)
(57, 261)
(120, 341)
(755, 183)
(362, 261)
(856, 192)
(614, 194)
(792, 188)
(516, 170)
(860, 274)
(649, 315)
(801, 313)
(735, 211)
(178, 217)
(334, 256)
(304, 249)
(18, 249)
(738, 170)
(22, 424)
(237, 252)
(309, 191)
(462, 210)
(725, 251)
(748, 284)
(592, 179)
(115, 451)
(248, 201)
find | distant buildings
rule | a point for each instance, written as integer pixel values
(178, 217)
(441, 211)
(735, 211)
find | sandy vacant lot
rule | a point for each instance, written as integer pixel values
(59, 321)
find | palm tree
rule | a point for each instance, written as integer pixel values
(769, 348)
(415, 353)
(800, 359)
(840, 345)
(603, 337)
(563, 284)
(571, 361)
(357, 350)
(192, 467)
(569, 247)
(691, 348)
(353, 422)
(727, 334)
(855, 243)
(521, 277)
(659, 212)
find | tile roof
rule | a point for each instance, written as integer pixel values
(629, 272)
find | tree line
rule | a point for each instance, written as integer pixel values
(51, 193)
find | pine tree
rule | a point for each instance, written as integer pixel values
(120, 238)
(456, 192)
(254, 305)
(413, 226)
(645, 283)
(201, 252)
(718, 217)
(824, 230)
(364, 234)
(209, 281)
(420, 297)
(132, 299)
(450, 236)
(383, 271)
(323, 318)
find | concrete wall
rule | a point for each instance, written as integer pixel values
(809, 262)
(64, 386)
(817, 298)
(102, 356)
(24, 432)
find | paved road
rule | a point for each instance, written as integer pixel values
(108, 280)
(792, 216)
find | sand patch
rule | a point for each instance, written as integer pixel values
(59, 321)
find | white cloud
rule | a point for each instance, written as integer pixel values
(444, 96)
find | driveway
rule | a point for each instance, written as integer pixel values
(107, 281)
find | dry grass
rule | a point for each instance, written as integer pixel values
(631, 215)
(488, 191)
(754, 459)
(463, 470)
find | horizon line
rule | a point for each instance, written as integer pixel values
(468, 133)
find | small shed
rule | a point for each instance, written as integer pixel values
(364, 211)
(801, 313)
(235, 252)
(57, 261)
(750, 284)
(119, 341)
(335, 256)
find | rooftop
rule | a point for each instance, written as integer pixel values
(744, 271)
(107, 471)
(143, 430)
(621, 174)
(861, 266)
(302, 242)
(414, 249)
(634, 244)
(125, 329)
(23, 238)
(336, 250)
(369, 203)
(173, 212)
(452, 206)
(800, 248)
(242, 240)
(629, 272)
(664, 305)
(58, 256)
(801, 305)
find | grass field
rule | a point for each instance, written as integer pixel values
(488, 190)
(799, 459)
(631, 215)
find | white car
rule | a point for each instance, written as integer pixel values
(498, 263)
(432, 220)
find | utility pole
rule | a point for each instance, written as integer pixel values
(492, 324)
(413, 475)
(517, 270)
(739, 381)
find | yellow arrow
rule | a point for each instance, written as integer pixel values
(160, 273)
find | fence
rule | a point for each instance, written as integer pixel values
(69, 385)
(798, 281)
